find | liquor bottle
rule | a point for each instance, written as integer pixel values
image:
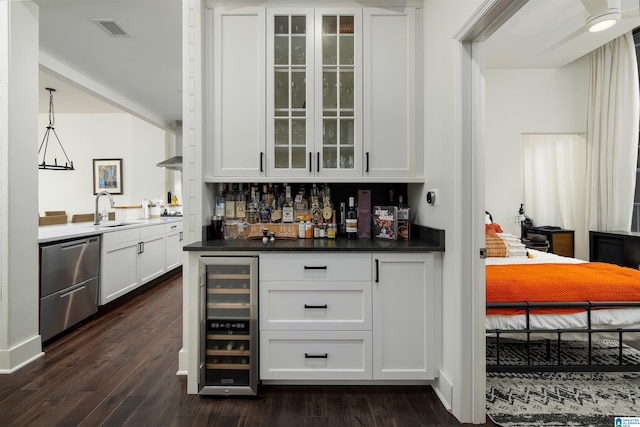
(327, 206)
(316, 213)
(276, 208)
(253, 214)
(300, 204)
(287, 206)
(391, 197)
(401, 204)
(241, 204)
(351, 220)
(265, 209)
(230, 203)
(270, 195)
(220, 202)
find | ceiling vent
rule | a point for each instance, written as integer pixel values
(112, 27)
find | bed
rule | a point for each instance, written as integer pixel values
(550, 309)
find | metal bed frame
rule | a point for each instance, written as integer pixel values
(530, 366)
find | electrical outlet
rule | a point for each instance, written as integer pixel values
(433, 197)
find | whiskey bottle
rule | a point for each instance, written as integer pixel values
(316, 213)
(327, 206)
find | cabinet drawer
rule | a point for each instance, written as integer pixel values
(173, 227)
(152, 230)
(315, 306)
(316, 267)
(298, 355)
(119, 237)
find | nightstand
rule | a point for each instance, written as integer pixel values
(561, 242)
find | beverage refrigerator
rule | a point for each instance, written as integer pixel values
(229, 326)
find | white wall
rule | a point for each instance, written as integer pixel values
(442, 160)
(85, 137)
(528, 101)
(19, 338)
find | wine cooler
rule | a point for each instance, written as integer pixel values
(229, 326)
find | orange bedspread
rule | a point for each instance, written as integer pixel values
(593, 281)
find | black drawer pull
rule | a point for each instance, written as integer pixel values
(316, 356)
(316, 306)
(315, 267)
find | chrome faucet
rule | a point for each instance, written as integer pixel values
(96, 216)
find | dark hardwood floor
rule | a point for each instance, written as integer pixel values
(120, 369)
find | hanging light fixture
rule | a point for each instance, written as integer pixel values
(45, 142)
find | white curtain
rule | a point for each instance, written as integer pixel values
(554, 179)
(612, 134)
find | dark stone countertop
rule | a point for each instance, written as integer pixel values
(424, 239)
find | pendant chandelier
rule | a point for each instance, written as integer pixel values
(45, 142)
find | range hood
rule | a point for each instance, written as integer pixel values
(175, 162)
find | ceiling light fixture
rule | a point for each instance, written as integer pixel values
(601, 14)
(45, 142)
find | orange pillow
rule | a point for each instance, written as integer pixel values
(492, 228)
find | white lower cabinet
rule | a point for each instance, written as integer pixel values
(129, 259)
(348, 316)
(404, 343)
(173, 245)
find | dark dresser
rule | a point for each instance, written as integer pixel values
(561, 242)
(615, 247)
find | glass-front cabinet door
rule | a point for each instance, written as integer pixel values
(314, 93)
(338, 85)
(289, 91)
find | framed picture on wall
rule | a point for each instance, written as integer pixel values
(107, 176)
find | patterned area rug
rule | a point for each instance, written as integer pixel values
(563, 399)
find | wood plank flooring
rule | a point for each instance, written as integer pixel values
(119, 369)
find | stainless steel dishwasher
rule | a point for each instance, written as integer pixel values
(69, 275)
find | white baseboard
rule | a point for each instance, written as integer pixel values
(444, 390)
(20, 356)
(182, 362)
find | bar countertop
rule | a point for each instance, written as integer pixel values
(426, 240)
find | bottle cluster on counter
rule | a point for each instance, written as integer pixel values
(268, 211)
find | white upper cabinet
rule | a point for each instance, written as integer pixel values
(235, 123)
(311, 93)
(391, 93)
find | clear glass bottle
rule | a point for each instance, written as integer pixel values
(276, 210)
(316, 212)
(265, 209)
(241, 204)
(219, 210)
(253, 214)
(351, 220)
(230, 203)
(287, 206)
(300, 204)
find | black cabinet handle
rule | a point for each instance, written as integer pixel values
(367, 168)
(317, 161)
(316, 356)
(262, 161)
(315, 267)
(377, 271)
(316, 306)
(310, 161)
